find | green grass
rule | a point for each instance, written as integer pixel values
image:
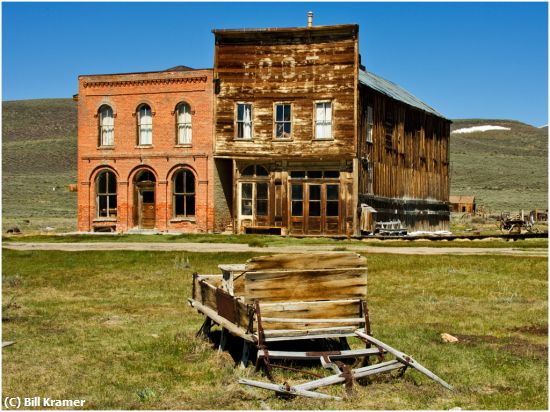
(276, 241)
(114, 328)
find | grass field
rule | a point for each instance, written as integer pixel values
(113, 328)
(278, 241)
(505, 170)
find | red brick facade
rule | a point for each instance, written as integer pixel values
(164, 158)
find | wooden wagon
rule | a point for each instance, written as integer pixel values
(292, 297)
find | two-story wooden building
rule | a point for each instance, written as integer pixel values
(306, 141)
(145, 151)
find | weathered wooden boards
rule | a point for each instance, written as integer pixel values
(403, 358)
(310, 261)
(401, 361)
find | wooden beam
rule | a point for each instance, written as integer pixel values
(287, 390)
(345, 354)
(404, 358)
(235, 330)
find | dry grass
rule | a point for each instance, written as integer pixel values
(113, 328)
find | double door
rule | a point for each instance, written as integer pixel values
(315, 208)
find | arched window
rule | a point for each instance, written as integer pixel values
(106, 194)
(184, 193)
(106, 126)
(184, 124)
(145, 125)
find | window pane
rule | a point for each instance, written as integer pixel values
(246, 191)
(287, 109)
(102, 206)
(246, 208)
(332, 173)
(297, 174)
(178, 182)
(111, 180)
(189, 182)
(314, 209)
(287, 130)
(297, 192)
(297, 208)
(315, 174)
(314, 192)
(190, 205)
(279, 114)
(332, 208)
(240, 112)
(179, 205)
(148, 197)
(240, 130)
(261, 171)
(261, 190)
(102, 183)
(261, 207)
(248, 171)
(279, 130)
(112, 205)
(332, 192)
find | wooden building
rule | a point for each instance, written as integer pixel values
(462, 204)
(306, 140)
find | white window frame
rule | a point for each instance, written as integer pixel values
(106, 126)
(247, 123)
(184, 124)
(145, 130)
(323, 123)
(282, 122)
(370, 124)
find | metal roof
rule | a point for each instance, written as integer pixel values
(394, 91)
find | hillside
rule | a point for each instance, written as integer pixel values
(38, 162)
(504, 169)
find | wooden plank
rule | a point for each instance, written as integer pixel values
(319, 335)
(357, 373)
(404, 358)
(235, 330)
(289, 391)
(306, 285)
(326, 260)
(341, 308)
(344, 354)
(207, 294)
(289, 333)
(305, 324)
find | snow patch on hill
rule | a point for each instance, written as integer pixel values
(480, 129)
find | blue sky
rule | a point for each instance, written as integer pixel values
(467, 60)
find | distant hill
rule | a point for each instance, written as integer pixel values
(38, 162)
(504, 169)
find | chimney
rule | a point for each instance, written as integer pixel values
(309, 18)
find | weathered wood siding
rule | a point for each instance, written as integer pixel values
(404, 172)
(416, 163)
(297, 66)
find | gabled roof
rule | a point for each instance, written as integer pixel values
(394, 91)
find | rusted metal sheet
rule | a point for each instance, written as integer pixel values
(226, 305)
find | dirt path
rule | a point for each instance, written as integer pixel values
(239, 247)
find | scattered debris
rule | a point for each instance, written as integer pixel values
(49, 229)
(7, 343)
(13, 230)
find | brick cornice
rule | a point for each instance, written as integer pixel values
(140, 82)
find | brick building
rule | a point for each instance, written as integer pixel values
(145, 151)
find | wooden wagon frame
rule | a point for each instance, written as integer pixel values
(291, 297)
